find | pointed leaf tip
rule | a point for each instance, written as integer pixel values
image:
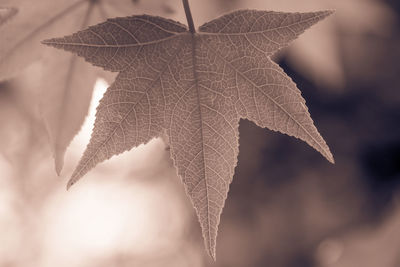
(69, 184)
(331, 159)
(47, 42)
(209, 242)
(212, 253)
(323, 14)
(74, 178)
(59, 163)
(59, 160)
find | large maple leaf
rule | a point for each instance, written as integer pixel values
(195, 87)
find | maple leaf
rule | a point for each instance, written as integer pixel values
(195, 87)
(6, 13)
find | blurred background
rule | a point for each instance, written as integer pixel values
(287, 206)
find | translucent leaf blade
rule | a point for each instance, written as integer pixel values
(194, 87)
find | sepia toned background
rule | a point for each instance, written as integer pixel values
(287, 206)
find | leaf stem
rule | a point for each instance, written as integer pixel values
(189, 16)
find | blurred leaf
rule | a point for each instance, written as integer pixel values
(6, 13)
(22, 135)
(65, 91)
(196, 88)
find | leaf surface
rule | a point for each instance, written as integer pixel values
(196, 88)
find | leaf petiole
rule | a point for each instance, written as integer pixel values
(189, 16)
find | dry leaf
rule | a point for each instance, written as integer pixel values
(195, 87)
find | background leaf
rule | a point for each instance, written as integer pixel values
(67, 82)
